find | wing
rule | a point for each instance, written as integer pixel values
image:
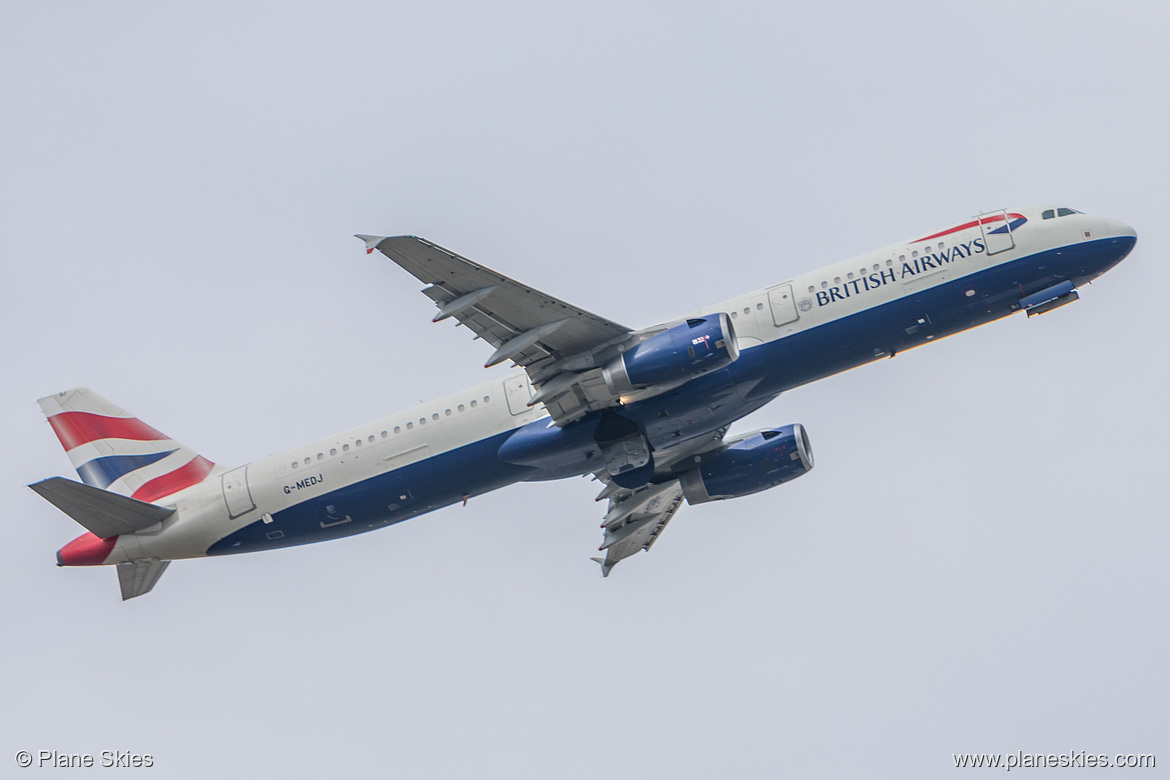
(561, 346)
(636, 518)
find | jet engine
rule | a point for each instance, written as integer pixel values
(756, 462)
(675, 355)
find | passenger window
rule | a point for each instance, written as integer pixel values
(1064, 212)
(332, 450)
(448, 412)
(345, 448)
(422, 421)
(398, 429)
(308, 461)
(409, 425)
(460, 407)
(357, 443)
(811, 288)
(473, 404)
(371, 439)
(849, 275)
(385, 434)
(320, 456)
(1048, 214)
(295, 464)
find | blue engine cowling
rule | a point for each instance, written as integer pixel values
(699, 345)
(759, 461)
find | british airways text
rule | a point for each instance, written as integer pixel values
(909, 268)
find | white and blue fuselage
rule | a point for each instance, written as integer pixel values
(803, 329)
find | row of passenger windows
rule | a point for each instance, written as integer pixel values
(876, 267)
(308, 461)
(747, 310)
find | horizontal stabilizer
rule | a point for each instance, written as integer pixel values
(102, 513)
(139, 577)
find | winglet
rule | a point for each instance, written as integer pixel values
(371, 241)
(605, 567)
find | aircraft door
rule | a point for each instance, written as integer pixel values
(236, 494)
(997, 231)
(783, 304)
(518, 392)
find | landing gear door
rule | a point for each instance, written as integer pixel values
(997, 231)
(783, 304)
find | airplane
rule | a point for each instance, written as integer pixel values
(646, 412)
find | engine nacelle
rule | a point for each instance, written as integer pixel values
(757, 462)
(699, 345)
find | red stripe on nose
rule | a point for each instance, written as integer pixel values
(86, 550)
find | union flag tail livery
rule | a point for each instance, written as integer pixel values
(115, 451)
(646, 412)
(124, 465)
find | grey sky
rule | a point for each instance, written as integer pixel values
(977, 564)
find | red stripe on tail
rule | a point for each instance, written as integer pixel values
(184, 477)
(77, 428)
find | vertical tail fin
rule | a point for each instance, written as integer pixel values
(117, 452)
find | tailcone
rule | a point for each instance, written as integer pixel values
(86, 550)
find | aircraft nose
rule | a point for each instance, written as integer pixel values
(1118, 229)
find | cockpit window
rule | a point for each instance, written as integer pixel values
(1062, 212)
(1049, 214)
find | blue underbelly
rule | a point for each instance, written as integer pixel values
(381, 500)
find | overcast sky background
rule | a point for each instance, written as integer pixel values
(978, 563)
